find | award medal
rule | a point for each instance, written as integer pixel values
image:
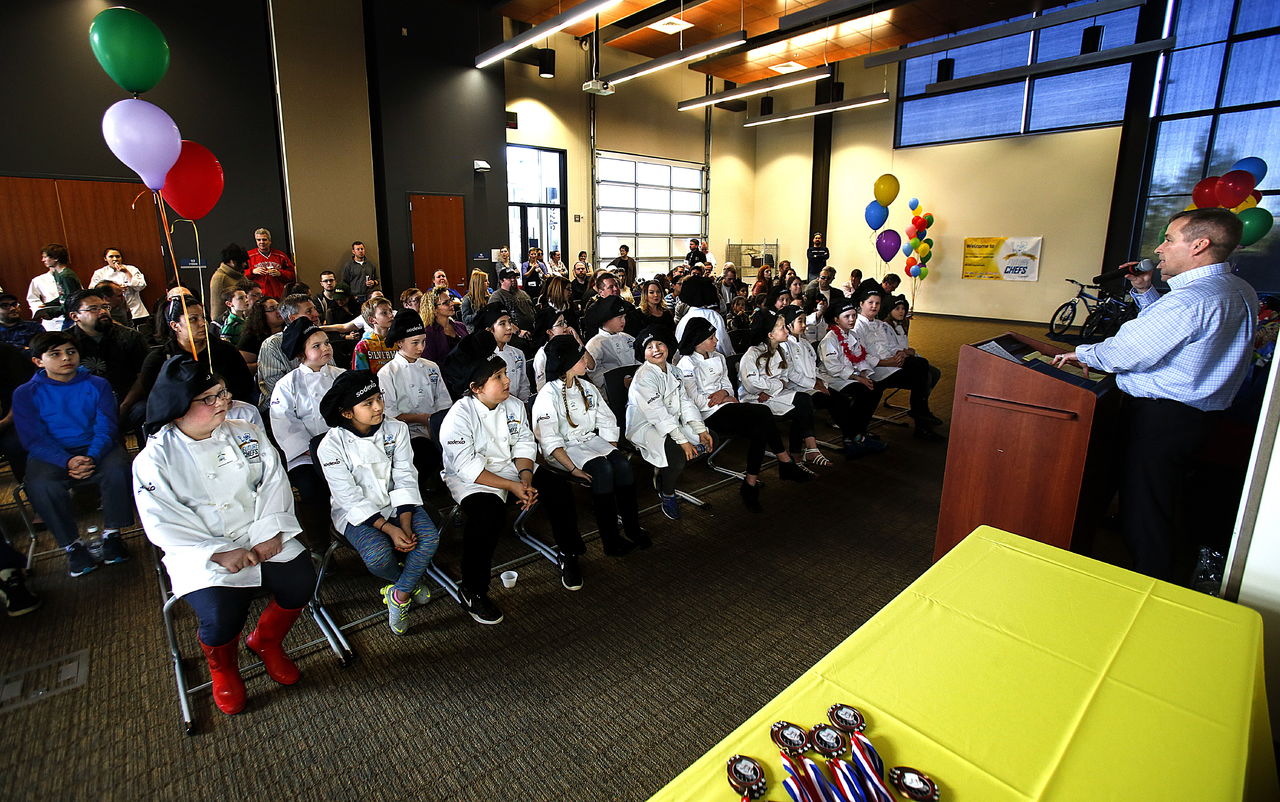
(913, 784)
(746, 775)
(831, 743)
(846, 718)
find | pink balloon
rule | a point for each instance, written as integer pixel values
(144, 137)
(887, 244)
(910, 232)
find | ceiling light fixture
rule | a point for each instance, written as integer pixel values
(546, 62)
(678, 57)
(554, 25)
(670, 25)
(787, 67)
(757, 88)
(824, 108)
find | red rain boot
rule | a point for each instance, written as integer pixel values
(265, 640)
(224, 669)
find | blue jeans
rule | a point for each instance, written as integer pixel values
(49, 489)
(382, 559)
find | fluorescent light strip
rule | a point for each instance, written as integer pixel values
(825, 108)
(678, 57)
(757, 88)
(554, 25)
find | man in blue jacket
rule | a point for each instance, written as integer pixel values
(66, 418)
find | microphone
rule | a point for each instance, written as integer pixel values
(1145, 266)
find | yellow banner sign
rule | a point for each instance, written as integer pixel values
(1001, 258)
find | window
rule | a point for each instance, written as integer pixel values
(1078, 99)
(1218, 103)
(652, 206)
(536, 204)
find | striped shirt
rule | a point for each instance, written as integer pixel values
(1190, 345)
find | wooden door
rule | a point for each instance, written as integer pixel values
(439, 239)
(29, 220)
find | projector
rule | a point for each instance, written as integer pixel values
(598, 87)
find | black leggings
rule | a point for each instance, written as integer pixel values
(668, 476)
(862, 406)
(752, 421)
(609, 473)
(222, 610)
(485, 522)
(841, 408)
(801, 418)
(914, 375)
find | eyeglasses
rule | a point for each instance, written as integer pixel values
(212, 400)
(94, 309)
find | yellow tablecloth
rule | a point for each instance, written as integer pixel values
(1012, 670)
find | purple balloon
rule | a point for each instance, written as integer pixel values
(887, 244)
(144, 137)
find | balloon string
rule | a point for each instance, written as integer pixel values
(134, 205)
(173, 257)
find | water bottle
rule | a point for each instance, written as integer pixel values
(93, 540)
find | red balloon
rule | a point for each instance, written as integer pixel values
(1234, 187)
(911, 260)
(1257, 195)
(1205, 195)
(918, 222)
(194, 183)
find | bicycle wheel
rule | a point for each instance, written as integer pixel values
(1063, 318)
(1095, 324)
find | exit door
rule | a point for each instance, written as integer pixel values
(439, 239)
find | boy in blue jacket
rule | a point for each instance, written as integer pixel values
(66, 419)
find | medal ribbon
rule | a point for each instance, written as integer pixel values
(868, 769)
(827, 791)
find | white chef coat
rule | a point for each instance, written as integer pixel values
(723, 345)
(295, 410)
(876, 338)
(243, 410)
(610, 351)
(769, 378)
(596, 430)
(897, 336)
(368, 476)
(814, 327)
(475, 438)
(658, 408)
(414, 388)
(836, 369)
(133, 282)
(515, 360)
(703, 376)
(43, 289)
(197, 498)
(802, 365)
(540, 368)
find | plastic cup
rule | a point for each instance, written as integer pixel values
(509, 579)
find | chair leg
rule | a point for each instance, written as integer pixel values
(532, 542)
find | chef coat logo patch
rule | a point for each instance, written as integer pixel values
(249, 447)
(513, 424)
(389, 444)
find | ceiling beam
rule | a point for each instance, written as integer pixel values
(1102, 57)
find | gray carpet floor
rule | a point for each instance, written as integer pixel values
(602, 694)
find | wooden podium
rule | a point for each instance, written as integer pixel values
(1031, 447)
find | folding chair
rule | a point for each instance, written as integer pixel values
(19, 494)
(896, 418)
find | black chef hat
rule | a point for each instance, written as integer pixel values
(349, 389)
(761, 325)
(837, 309)
(790, 312)
(602, 311)
(488, 316)
(295, 336)
(699, 291)
(662, 334)
(471, 360)
(695, 331)
(181, 379)
(563, 352)
(407, 323)
(867, 293)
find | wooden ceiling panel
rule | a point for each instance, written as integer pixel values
(538, 11)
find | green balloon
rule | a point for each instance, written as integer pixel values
(925, 259)
(1257, 222)
(928, 219)
(924, 271)
(130, 48)
(929, 242)
(915, 243)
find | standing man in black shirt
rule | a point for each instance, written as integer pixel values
(817, 256)
(695, 256)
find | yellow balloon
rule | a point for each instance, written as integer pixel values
(1247, 203)
(1190, 206)
(924, 249)
(886, 189)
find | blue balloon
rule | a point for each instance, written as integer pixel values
(906, 249)
(876, 215)
(1253, 166)
(913, 204)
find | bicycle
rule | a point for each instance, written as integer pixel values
(1066, 314)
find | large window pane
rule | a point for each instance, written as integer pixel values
(615, 195)
(1253, 74)
(965, 115)
(998, 54)
(1255, 15)
(1248, 133)
(659, 174)
(1192, 82)
(919, 72)
(686, 225)
(533, 175)
(1202, 21)
(653, 223)
(653, 199)
(1179, 160)
(616, 170)
(653, 247)
(621, 222)
(608, 247)
(1080, 98)
(686, 178)
(686, 201)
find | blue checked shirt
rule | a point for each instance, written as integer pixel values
(1191, 345)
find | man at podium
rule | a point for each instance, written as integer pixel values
(1179, 363)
